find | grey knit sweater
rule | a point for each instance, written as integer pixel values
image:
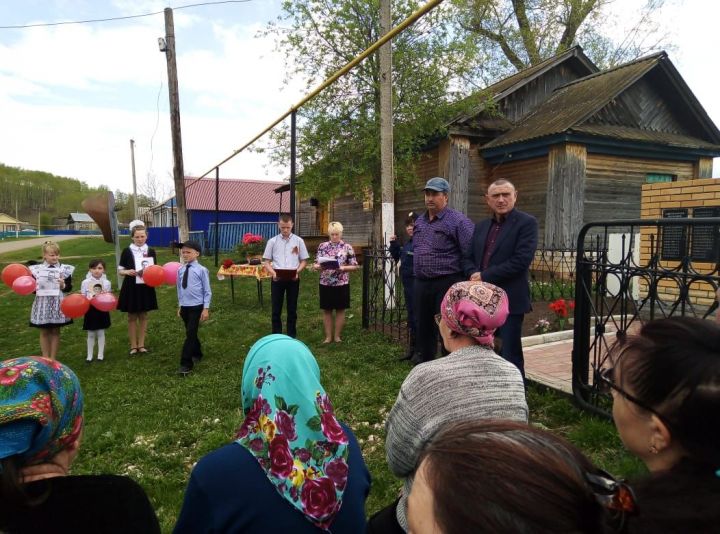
(470, 383)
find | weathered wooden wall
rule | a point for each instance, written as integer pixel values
(530, 177)
(565, 195)
(530, 96)
(356, 221)
(613, 184)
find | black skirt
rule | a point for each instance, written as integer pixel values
(335, 297)
(96, 319)
(136, 298)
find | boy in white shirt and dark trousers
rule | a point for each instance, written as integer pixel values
(284, 253)
(194, 294)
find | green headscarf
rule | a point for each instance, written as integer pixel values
(291, 429)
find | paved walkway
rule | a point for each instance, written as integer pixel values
(550, 364)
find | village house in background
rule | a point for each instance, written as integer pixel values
(577, 142)
(240, 201)
(9, 224)
(81, 222)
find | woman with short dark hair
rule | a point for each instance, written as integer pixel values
(505, 476)
(665, 383)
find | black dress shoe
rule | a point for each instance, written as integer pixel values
(184, 371)
(406, 356)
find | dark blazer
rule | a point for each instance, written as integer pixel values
(510, 261)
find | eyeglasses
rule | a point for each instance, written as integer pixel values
(606, 382)
(438, 318)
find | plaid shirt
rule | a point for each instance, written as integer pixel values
(439, 243)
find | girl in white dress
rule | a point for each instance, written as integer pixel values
(53, 279)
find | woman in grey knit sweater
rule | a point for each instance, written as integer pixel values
(470, 383)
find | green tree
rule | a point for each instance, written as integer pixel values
(511, 35)
(338, 141)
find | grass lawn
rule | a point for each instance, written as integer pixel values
(144, 421)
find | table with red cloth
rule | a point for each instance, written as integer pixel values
(257, 272)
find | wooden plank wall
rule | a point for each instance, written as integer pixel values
(565, 195)
(530, 177)
(523, 101)
(357, 223)
(613, 184)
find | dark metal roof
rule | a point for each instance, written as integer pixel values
(575, 102)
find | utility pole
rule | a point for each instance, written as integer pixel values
(387, 178)
(168, 46)
(17, 220)
(132, 160)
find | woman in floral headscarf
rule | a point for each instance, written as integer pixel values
(41, 420)
(472, 382)
(293, 467)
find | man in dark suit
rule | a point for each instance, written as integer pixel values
(503, 247)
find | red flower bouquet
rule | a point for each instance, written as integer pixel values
(561, 308)
(227, 263)
(251, 245)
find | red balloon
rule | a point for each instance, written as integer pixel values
(153, 275)
(104, 302)
(74, 306)
(24, 285)
(171, 272)
(13, 271)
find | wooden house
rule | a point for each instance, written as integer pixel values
(577, 142)
(8, 223)
(80, 221)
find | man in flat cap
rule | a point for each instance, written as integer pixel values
(440, 237)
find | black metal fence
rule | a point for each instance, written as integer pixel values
(552, 276)
(629, 272)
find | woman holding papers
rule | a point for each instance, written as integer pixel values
(335, 259)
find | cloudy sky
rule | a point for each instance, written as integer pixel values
(72, 96)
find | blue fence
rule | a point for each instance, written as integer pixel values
(162, 236)
(232, 233)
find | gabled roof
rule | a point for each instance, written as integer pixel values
(7, 219)
(81, 218)
(235, 195)
(574, 103)
(509, 85)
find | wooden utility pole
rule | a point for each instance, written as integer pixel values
(178, 170)
(132, 160)
(387, 178)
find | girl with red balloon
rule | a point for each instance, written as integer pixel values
(138, 264)
(96, 287)
(52, 280)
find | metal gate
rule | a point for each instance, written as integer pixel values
(657, 268)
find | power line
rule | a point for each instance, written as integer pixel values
(110, 19)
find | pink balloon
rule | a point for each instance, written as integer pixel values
(24, 285)
(104, 302)
(171, 269)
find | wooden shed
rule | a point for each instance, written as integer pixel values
(577, 142)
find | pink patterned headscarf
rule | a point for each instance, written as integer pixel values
(475, 309)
